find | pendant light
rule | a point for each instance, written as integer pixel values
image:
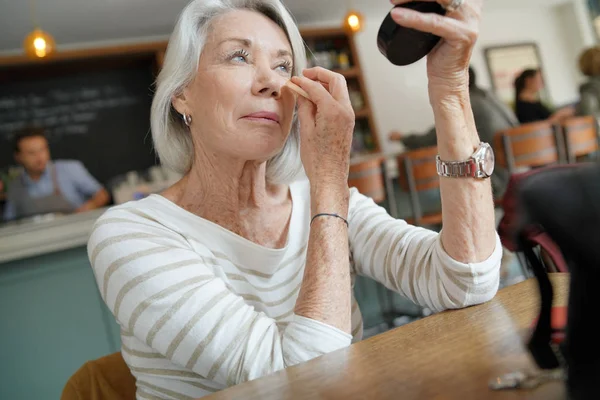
(353, 21)
(38, 44)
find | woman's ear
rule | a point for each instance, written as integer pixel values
(179, 103)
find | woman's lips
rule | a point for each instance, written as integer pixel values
(263, 116)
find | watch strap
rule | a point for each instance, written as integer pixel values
(456, 169)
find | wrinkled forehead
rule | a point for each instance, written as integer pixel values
(248, 25)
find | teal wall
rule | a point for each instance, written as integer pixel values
(52, 321)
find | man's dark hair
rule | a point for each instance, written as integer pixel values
(28, 132)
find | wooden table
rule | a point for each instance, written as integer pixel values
(451, 355)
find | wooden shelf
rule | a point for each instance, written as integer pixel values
(86, 53)
(339, 39)
(364, 113)
(322, 33)
(349, 73)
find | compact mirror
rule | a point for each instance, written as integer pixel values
(404, 46)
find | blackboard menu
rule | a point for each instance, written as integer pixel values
(100, 116)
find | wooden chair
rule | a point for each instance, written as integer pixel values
(418, 173)
(107, 378)
(529, 146)
(580, 136)
(369, 177)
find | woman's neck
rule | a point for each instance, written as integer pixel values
(231, 193)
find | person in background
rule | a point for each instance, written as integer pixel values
(491, 116)
(589, 65)
(528, 105)
(414, 141)
(44, 186)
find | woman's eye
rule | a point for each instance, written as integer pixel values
(240, 56)
(285, 67)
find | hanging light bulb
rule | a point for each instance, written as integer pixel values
(39, 44)
(354, 21)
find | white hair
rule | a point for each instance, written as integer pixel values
(171, 137)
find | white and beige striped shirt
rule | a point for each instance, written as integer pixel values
(201, 308)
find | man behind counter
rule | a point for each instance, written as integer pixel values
(44, 186)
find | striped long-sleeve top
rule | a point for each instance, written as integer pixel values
(201, 308)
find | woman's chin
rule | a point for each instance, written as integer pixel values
(263, 146)
(259, 153)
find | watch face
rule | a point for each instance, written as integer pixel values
(488, 162)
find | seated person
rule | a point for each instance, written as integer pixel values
(528, 105)
(589, 91)
(244, 266)
(491, 116)
(44, 186)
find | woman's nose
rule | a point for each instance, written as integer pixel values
(268, 82)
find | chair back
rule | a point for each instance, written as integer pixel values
(107, 378)
(417, 169)
(367, 176)
(530, 145)
(580, 136)
(417, 172)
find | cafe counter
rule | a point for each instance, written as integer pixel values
(53, 318)
(45, 234)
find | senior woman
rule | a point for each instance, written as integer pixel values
(245, 265)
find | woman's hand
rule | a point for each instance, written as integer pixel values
(326, 126)
(448, 62)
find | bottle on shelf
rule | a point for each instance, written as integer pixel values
(356, 98)
(343, 61)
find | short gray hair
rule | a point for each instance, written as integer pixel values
(172, 140)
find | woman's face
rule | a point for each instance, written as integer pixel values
(235, 100)
(536, 82)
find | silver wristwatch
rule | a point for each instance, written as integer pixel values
(479, 165)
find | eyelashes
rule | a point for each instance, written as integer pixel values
(243, 56)
(241, 53)
(287, 64)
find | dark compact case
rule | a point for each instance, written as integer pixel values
(404, 46)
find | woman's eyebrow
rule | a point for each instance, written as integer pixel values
(248, 43)
(284, 53)
(244, 42)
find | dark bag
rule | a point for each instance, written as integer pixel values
(534, 234)
(564, 203)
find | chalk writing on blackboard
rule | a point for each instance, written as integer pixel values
(60, 112)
